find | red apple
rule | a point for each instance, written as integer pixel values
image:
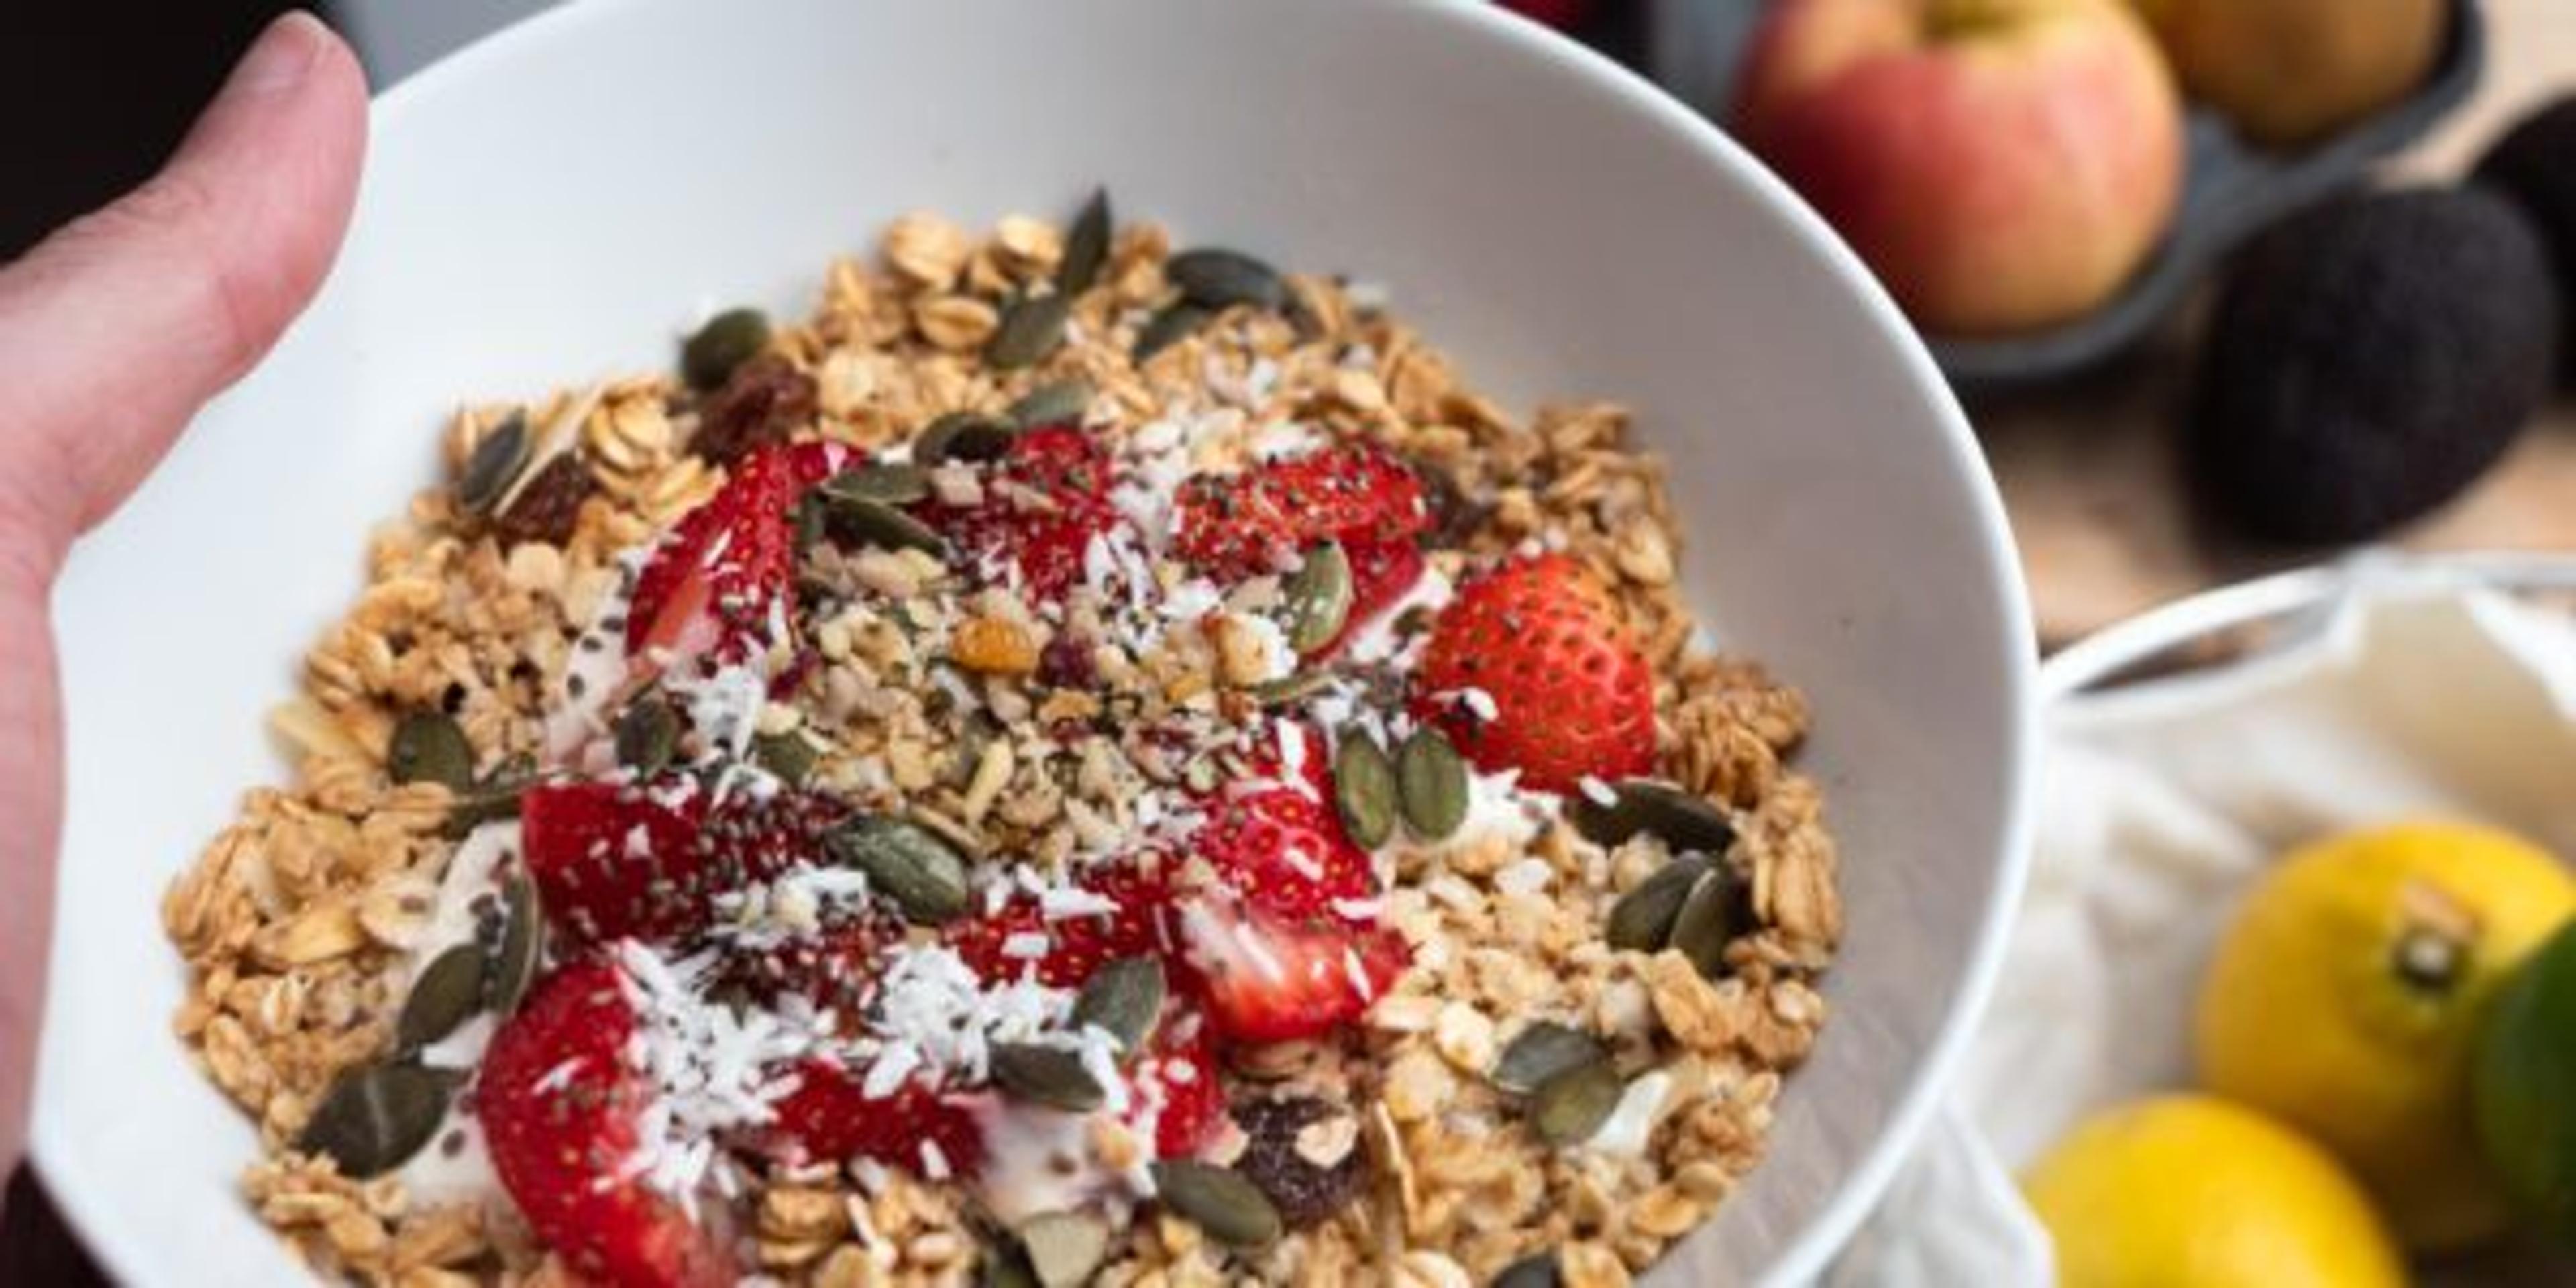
(2001, 164)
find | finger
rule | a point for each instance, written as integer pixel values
(115, 329)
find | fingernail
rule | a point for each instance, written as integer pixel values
(281, 57)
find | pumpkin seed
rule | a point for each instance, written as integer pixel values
(1710, 919)
(1052, 403)
(860, 521)
(885, 482)
(1537, 1270)
(429, 747)
(1543, 1051)
(1432, 782)
(912, 866)
(1317, 598)
(1642, 919)
(1684, 819)
(1086, 247)
(377, 1115)
(1123, 997)
(1291, 688)
(962, 436)
(1216, 278)
(523, 941)
(1568, 1108)
(1046, 1075)
(494, 464)
(726, 341)
(647, 734)
(1364, 788)
(1170, 325)
(1064, 1247)
(1032, 327)
(1226, 1207)
(489, 801)
(788, 755)
(444, 996)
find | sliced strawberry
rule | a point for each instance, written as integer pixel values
(830, 1116)
(1572, 693)
(559, 1111)
(648, 863)
(1244, 525)
(1176, 1085)
(716, 584)
(1043, 503)
(1134, 926)
(835, 968)
(1381, 572)
(1267, 980)
(1285, 852)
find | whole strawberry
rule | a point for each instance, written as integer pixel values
(1532, 667)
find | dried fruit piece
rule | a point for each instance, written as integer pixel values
(1303, 1154)
(548, 505)
(724, 343)
(761, 405)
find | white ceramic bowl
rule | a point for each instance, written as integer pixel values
(558, 202)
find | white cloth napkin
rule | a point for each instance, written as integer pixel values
(2160, 803)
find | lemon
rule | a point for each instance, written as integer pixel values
(2193, 1192)
(2346, 998)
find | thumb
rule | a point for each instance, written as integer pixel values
(115, 329)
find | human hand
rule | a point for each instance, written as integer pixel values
(112, 333)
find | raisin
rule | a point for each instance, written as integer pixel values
(1306, 1191)
(1066, 662)
(763, 402)
(548, 505)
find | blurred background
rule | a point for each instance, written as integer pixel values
(2227, 285)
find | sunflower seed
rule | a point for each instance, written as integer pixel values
(788, 755)
(885, 482)
(1046, 1075)
(1568, 1108)
(1432, 782)
(1086, 246)
(523, 941)
(1542, 1051)
(1364, 787)
(919, 871)
(429, 747)
(1537, 1270)
(1175, 322)
(1052, 403)
(1214, 278)
(726, 341)
(1065, 1247)
(1316, 599)
(377, 1115)
(647, 733)
(1226, 1207)
(1642, 919)
(448, 992)
(860, 521)
(1683, 819)
(1123, 997)
(494, 464)
(1716, 912)
(1032, 327)
(962, 436)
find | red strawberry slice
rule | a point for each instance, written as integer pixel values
(1285, 852)
(830, 1116)
(559, 1111)
(649, 862)
(716, 584)
(836, 967)
(1572, 693)
(1134, 926)
(1043, 503)
(1381, 571)
(1175, 1084)
(1239, 526)
(1267, 980)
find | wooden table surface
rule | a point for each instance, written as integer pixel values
(2089, 471)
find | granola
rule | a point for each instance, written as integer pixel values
(1061, 764)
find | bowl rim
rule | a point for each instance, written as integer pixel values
(89, 1204)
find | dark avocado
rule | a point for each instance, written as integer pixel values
(2369, 359)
